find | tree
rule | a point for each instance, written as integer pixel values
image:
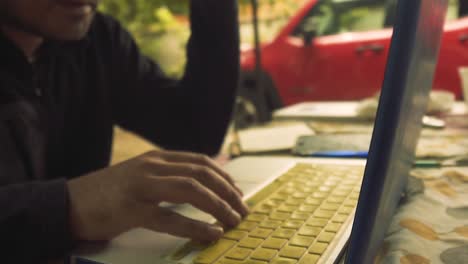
(153, 25)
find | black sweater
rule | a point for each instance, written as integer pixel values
(57, 116)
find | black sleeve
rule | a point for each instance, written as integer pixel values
(192, 113)
(34, 223)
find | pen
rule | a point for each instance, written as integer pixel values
(340, 154)
(434, 163)
(427, 164)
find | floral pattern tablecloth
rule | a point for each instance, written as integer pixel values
(431, 225)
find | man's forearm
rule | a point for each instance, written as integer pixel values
(191, 114)
(213, 69)
(34, 223)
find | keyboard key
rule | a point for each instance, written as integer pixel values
(335, 199)
(333, 227)
(263, 254)
(319, 195)
(229, 261)
(307, 208)
(318, 248)
(292, 252)
(331, 183)
(330, 206)
(260, 232)
(279, 196)
(301, 180)
(339, 218)
(287, 190)
(318, 222)
(348, 182)
(309, 231)
(286, 208)
(346, 210)
(299, 216)
(323, 214)
(313, 184)
(350, 203)
(292, 224)
(291, 183)
(251, 261)
(354, 196)
(255, 217)
(309, 259)
(273, 203)
(325, 189)
(300, 195)
(270, 224)
(312, 201)
(274, 243)
(344, 188)
(340, 193)
(250, 242)
(238, 253)
(213, 252)
(306, 189)
(288, 176)
(326, 237)
(301, 241)
(235, 235)
(279, 216)
(280, 260)
(263, 209)
(247, 226)
(284, 233)
(294, 201)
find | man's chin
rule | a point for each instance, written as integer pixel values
(57, 31)
(67, 36)
(69, 32)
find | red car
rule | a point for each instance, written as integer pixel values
(337, 50)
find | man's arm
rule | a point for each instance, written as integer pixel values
(34, 222)
(41, 220)
(193, 113)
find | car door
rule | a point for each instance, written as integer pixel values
(347, 56)
(453, 55)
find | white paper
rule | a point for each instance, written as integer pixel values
(274, 138)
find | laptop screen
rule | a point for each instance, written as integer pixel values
(408, 80)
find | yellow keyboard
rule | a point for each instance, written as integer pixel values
(293, 220)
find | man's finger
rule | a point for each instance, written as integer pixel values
(208, 178)
(167, 221)
(181, 190)
(199, 159)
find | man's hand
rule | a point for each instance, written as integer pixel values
(111, 201)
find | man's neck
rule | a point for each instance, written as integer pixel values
(27, 42)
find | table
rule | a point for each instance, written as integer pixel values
(431, 223)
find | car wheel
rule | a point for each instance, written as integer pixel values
(265, 99)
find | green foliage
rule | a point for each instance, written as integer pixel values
(141, 11)
(154, 27)
(160, 35)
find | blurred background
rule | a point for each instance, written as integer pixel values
(305, 50)
(161, 27)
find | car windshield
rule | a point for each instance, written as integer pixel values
(330, 17)
(333, 17)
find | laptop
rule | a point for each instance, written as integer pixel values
(317, 210)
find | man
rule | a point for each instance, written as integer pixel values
(67, 75)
